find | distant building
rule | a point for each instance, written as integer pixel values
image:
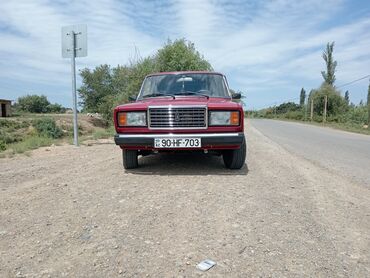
(5, 108)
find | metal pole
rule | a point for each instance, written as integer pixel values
(325, 107)
(74, 95)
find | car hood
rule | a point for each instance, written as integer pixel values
(212, 103)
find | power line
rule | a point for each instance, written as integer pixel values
(354, 81)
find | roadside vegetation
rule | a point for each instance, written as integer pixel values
(326, 105)
(37, 122)
(25, 132)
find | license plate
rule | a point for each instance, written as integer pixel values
(177, 142)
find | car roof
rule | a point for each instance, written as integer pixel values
(183, 72)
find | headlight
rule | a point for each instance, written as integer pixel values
(131, 118)
(224, 118)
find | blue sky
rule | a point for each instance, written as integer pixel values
(267, 49)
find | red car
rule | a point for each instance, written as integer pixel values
(182, 111)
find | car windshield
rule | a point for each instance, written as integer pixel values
(210, 85)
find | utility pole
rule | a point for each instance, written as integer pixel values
(325, 108)
(311, 116)
(305, 109)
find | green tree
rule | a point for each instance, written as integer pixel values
(346, 97)
(336, 106)
(329, 74)
(180, 55)
(302, 97)
(287, 107)
(55, 108)
(96, 87)
(33, 104)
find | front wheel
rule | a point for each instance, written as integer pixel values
(130, 159)
(235, 159)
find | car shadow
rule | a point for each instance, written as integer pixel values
(184, 164)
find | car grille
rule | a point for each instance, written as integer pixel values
(177, 117)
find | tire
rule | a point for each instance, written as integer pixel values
(129, 159)
(235, 159)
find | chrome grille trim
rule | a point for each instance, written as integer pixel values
(178, 117)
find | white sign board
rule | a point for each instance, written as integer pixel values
(74, 36)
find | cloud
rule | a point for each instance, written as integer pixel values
(269, 49)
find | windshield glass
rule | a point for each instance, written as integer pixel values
(212, 85)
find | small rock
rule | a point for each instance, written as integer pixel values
(120, 271)
(187, 263)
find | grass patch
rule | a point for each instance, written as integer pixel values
(20, 135)
(356, 128)
(30, 143)
(103, 133)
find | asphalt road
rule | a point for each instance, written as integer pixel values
(345, 153)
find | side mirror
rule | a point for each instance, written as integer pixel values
(132, 98)
(236, 95)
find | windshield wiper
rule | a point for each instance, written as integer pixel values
(194, 93)
(159, 95)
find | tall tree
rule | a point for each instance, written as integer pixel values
(180, 55)
(346, 97)
(302, 97)
(329, 74)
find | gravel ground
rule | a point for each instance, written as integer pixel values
(77, 213)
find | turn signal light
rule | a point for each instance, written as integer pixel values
(234, 118)
(122, 119)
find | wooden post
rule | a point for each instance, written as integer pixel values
(325, 108)
(311, 116)
(305, 110)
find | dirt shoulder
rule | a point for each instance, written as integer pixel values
(76, 212)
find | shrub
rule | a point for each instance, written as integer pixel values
(55, 108)
(33, 104)
(357, 115)
(336, 103)
(2, 146)
(295, 115)
(48, 128)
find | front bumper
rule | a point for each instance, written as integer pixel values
(209, 140)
